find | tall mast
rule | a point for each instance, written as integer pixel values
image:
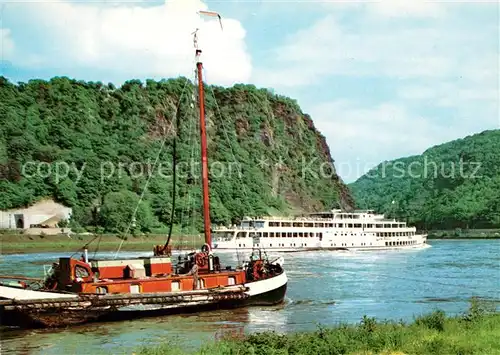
(204, 157)
(203, 132)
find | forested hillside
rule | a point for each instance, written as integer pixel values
(453, 185)
(93, 146)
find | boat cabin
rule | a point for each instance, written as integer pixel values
(139, 275)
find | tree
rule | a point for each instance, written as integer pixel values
(109, 137)
(453, 185)
(123, 211)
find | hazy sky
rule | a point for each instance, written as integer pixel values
(381, 79)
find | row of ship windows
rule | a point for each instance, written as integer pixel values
(279, 244)
(396, 243)
(319, 235)
(401, 242)
(280, 235)
(395, 234)
(336, 225)
(387, 244)
(302, 245)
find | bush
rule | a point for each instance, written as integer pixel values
(369, 337)
(435, 320)
(368, 324)
(477, 310)
(63, 223)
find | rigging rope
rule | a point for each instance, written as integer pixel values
(187, 211)
(147, 181)
(84, 246)
(230, 145)
(225, 130)
(174, 168)
(97, 248)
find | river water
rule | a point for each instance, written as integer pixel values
(325, 288)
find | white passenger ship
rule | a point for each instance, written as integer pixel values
(358, 230)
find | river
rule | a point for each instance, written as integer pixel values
(325, 288)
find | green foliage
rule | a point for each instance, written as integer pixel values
(478, 309)
(435, 320)
(117, 213)
(63, 223)
(431, 334)
(451, 186)
(368, 324)
(91, 146)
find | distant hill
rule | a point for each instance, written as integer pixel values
(452, 185)
(104, 141)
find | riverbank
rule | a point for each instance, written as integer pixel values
(23, 243)
(473, 333)
(20, 243)
(464, 234)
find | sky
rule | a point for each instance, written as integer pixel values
(381, 79)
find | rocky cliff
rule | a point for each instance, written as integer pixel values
(105, 151)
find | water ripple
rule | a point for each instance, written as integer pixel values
(324, 288)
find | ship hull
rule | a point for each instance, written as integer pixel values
(46, 314)
(231, 249)
(331, 244)
(268, 298)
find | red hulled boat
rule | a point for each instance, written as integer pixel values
(82, 290)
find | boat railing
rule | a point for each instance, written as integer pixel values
(288, 219)
(397, 226)
(234, 228)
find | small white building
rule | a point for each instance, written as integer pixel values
(45, 214)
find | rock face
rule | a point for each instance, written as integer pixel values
(95, 147)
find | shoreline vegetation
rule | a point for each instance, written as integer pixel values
(23, 243)
(18, 243)
(451, 185)
(98, 157)
(464, 234)
(475, 332)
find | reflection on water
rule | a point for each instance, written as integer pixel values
(324, 288)
(128, 335)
